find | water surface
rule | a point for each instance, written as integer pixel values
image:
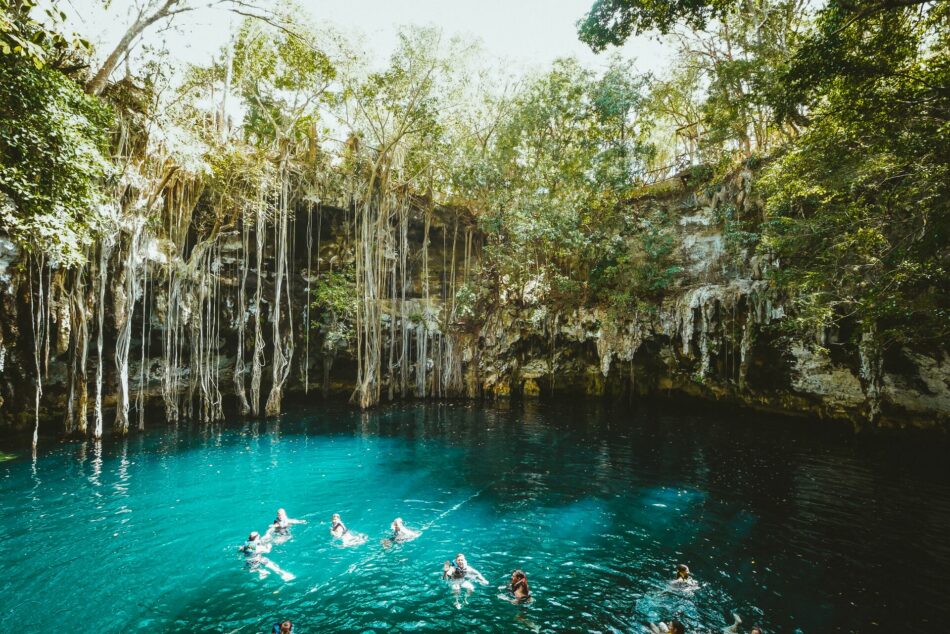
(788, 523)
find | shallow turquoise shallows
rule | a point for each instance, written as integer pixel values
(789, 524)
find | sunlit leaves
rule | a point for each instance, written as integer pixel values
(53, 159)
(611, 22)
(858, 208)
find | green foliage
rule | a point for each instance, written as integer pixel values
(465, 301)
(850, 104)
(566, 155)
(334, 307)
(721, 92)
(611, 22)
(283, 76)
(23, 36)
(858, 206)
(740, 235)
(53, 158)
(636, 271)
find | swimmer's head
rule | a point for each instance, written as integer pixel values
(518, 575)
(755, 630)
(682, 571)
(254, 535)
(336, 517)
(460, 560)
(397, 524)
(286, 627)
(676, 627)
(281, 514)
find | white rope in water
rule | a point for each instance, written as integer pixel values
(379, 553)
(442, 515)
(373, 556)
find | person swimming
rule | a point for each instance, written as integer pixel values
(734, 628)
(458, 569)
(279, 530)
(254, 547)
(283, 627)
(684, 578)
(339, 530)
(673, 627)
(254, 550)
(400, 533)
(457, 572)
(518, 587)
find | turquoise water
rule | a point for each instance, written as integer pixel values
(789, 524)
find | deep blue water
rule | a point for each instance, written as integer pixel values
(789, 524)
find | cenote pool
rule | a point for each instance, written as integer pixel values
(789, 524)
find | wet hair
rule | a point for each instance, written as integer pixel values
(682, 569)
(755, 630)
(254, 535)
(676, 627)
(520, 578)
(286, 627)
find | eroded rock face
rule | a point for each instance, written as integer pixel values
(717, 335)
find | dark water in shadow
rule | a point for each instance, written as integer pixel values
(787, 523)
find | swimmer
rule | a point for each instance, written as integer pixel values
(400, 533)
(279, 530)
(460, 570)
(284, 627)
(673, 627)
(339, 530)
(254, 547)
(682, 574)
(254, 550)
(734, 628)
(518, 587)
(458, 573)
(684, 577)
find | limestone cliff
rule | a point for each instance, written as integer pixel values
(719, 333)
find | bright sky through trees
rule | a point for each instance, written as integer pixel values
(526, 33)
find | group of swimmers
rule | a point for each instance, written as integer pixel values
(257, 546)
(457, 572)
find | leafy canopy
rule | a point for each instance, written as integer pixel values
(611, 22)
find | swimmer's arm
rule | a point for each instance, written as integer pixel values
(478, 576)
(291, 521)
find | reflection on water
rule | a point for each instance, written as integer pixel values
(789, 524)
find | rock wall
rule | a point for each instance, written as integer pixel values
(718, 334)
